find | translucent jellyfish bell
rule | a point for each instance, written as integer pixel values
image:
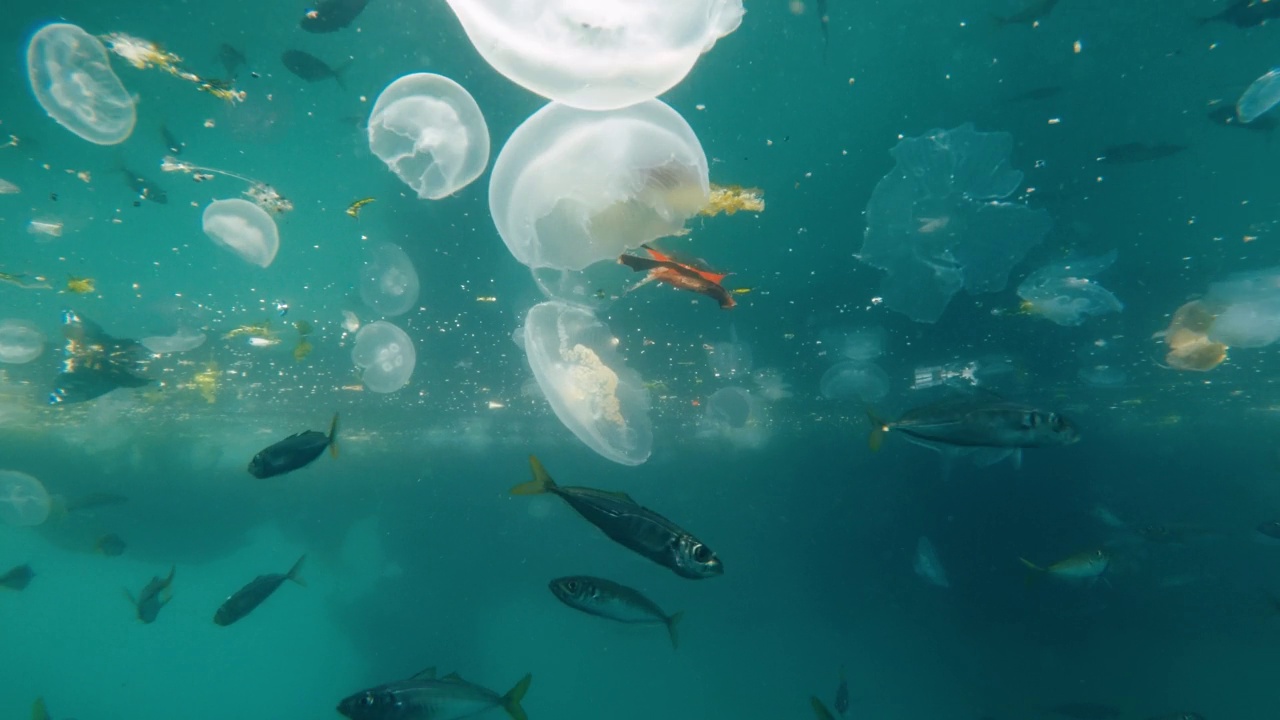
(385, 355)
(430, 133)
(72, 80)
(854, 343)
(730, 406)
(243, 228)
(936, 223)
(20, 342)
(854, 379)
(388, 282)
(23, 500)
(596, 54)
(591, 390)
(572, 187)
(1066, 294)
(1247, 306)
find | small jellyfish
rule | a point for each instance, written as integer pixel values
(72, 80)
(597, 55)
(772, 385)
(243, 228)
(430, 133)
(731, 406)
(385, 355)
(1103, 376)
(1065, 293)
(730, 359)
(590, 389)
(571, 188)
(854, 379)
(23, 500)
(20, 342)
(388, 282)
(854, 343)
(184, 340)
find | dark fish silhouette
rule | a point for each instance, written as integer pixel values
(1136, 152)
(1246, 13)
(331, 15)
(311, 68)
(980, 420)
(95, 363)
(18, 578)
(1029, 14)
(146, 189)
(173, 144)
(683, 275)
(614, 601)
(248, 598)
(424, 697)
(149, 602)
(1225, 114)
(232, 60)
(295, 451)
(632, 526)
(820, 710)
(1040, 93)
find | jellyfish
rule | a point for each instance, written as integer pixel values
(1259, 97)
(854, 343)
(1103, 376)
(72, 80)
(772, 385)
(243, 228)
(591, 390)
(385, 356)
(729, 359)
(1065, 294)
(735, 414)
(597, 55)
(1188, 341)
(730, 406)
(1247, 306)
(184, 340)
(430, 133)
(854, 379)
(20, 342)
(23, 500)
(571, 187)
(388, 282)
(937, 222)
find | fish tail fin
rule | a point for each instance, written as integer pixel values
(819, 709)
(173, 569)
(340, 71)
(333, 436)
(295, 572)
(129, 596)
(1034, 571)
(1031, 565)
(511, 701)
(541, 482)
(672, 630)
(879, 428)
(38, 710)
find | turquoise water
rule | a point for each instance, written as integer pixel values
(417, 555)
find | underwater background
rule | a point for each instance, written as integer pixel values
(418, 556)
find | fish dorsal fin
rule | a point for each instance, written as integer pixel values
(657, 255)
(453, 677)
(427, 674)
(617, 495)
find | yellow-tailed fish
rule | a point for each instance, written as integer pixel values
(354, 208)
(1081, 566)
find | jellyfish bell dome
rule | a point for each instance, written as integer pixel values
(23, 500)
(574, 187)
(596, 54)
(72, 80)
(591, 390)
(854, 379)
(20, 342)
(731, 406)
(429, 131)
(243, 228)
(385, 355)
(388, 282)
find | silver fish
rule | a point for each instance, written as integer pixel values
(608, 599)
(424, 697)
(979, 421)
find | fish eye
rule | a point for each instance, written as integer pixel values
(1030, 420)
(701, 553)
(368, 700)
(571, 586)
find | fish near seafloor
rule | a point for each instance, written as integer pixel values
(978, 421)
(18, 578)
(423, 697)
(611, 600)
(629, 524)
(1087, 565)
(331, 15)
(294, 452)
(311, 68)
(248, 598)
(148, 603)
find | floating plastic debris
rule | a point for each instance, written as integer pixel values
(144, 54)
(265, 196)
(52, 228)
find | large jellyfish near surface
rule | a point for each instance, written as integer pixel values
(243, 228)
(593, 393)
(430, 133)
(72, 80)
(850, 379)
(596, 54)
(1065, 294)
(571, 188)
(23, 500)
(388, 282)
(385, 355)
(20, 342)
(937, 223)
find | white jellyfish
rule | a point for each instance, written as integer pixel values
(72, 80)
(1065, 292)
(1247, 309)
(729, 359)
(184, 340)
(243, 228)
(936, 223)
(591, 390)
(430, 133)
(854, 379)
(388, 282)
(23, 500)
(572, 187)
(20, 342)
(385, 355)
(596, 54)
(854, 343)
(736, 415)
(731, 406)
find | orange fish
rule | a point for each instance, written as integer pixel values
(684, 276)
